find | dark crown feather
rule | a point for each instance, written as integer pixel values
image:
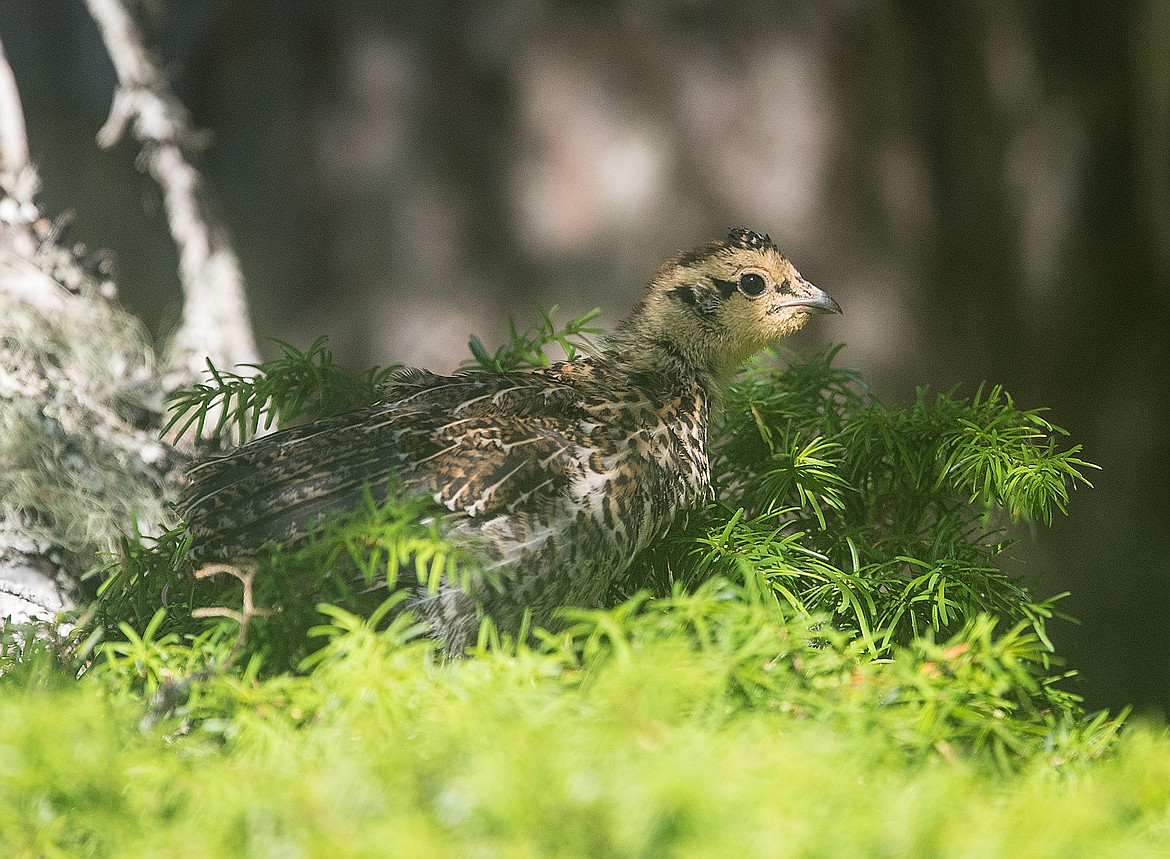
(749, 240)
(738, 238)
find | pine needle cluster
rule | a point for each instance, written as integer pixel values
(296, 386)
(892, 520)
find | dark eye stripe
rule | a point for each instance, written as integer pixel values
(725, 287)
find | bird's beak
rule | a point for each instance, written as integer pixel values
(816, 301)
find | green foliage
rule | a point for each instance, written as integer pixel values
(976, 693)
(891, 519)
(145, 574)
(348, 562)
(308, 385)
(304, 385)
(828, 661)
(527, 349)
(703, 724)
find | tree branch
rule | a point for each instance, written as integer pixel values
(215, 322)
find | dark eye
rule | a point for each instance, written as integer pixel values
(752, 284)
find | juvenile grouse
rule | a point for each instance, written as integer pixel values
(562, 475)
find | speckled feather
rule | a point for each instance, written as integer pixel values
(562, 475)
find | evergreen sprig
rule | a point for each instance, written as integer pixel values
(383, 539)
(526, 349)
(308, 385)
(297, 385)
(900, 512)
(1007, 458)
(349, 562)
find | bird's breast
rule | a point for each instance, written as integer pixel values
(652, 465)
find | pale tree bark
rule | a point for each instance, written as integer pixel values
(215, 322)
(82, 393)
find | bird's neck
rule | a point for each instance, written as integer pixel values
(650, 354)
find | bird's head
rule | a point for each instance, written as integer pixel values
(717, 305)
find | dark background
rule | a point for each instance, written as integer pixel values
(985, 188)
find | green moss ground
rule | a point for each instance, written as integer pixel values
(652, 749)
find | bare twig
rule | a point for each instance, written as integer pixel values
(215, 322)
(245, 573)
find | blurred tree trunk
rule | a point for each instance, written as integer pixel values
(963, 134)
(1112, 350)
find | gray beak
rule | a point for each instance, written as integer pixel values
(816, 301)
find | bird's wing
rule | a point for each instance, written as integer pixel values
(479, 444)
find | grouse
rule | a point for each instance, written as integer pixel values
(559, 475)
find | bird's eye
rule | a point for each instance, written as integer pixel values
(752, 284)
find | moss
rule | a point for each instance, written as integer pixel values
(76, 471)
(643, 752)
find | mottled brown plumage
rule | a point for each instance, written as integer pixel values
(562, 475)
